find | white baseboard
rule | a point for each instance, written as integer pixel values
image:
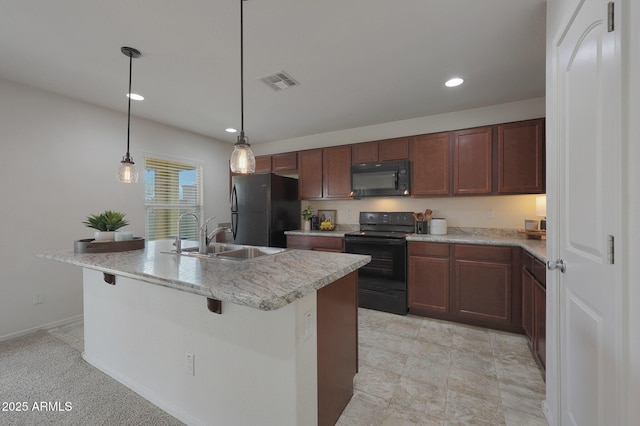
(47, 326)
(144, 392)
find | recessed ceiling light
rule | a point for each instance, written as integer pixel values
(135, 96)
(230, 130)
(454, 82)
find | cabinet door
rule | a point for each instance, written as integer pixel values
(263, 164)
(540, 322)
(428, 285)
(310, 174)
(366, 152)
(431, 164)
(527, 304)
(472, 161)
(337, 172)
(521, 157)
(394, 149)
(483, 291)
(284, 162)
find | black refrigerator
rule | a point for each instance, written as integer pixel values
(263, 206)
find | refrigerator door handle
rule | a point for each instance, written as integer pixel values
(234, 224)
(234, 200)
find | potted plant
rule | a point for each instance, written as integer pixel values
(106, 224)
(306, 216)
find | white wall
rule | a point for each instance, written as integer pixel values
(58, 164)
(506, 211)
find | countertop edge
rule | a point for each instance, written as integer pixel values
(266, 303)
(536, 248)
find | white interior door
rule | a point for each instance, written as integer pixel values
(589, 208)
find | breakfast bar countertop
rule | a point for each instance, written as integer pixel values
(266, 283)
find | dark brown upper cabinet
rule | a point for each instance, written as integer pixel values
(380, 151)
(336, 173)
(366, 152)
(472, 161)
(285, 162)
(431, 164)
(521, 157)
(310, 174)
(263, 164)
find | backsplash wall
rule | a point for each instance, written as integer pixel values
(504, 211)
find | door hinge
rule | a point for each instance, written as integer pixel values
(610, 252)
(610, 24)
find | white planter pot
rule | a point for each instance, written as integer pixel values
(104, 235)
(306, 225)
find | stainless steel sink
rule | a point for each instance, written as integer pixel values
(229, 251)
(213, 249)
(249, 252)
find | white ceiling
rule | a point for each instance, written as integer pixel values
(359, 62)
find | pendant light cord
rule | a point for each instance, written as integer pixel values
(241, 72)
(129, 110)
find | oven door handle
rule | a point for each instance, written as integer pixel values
(369, 240)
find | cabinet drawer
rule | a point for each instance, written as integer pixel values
(315, 243)
(477, 252)
(527, 261)
(428, 249)
(540, 272)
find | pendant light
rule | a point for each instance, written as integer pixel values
(242, 159)
(127, 172)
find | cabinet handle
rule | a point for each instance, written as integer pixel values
(558, 264)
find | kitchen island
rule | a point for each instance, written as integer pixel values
(282, 351)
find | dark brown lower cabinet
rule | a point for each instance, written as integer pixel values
(303, 242)
(429, 269)
(472, 284)
(534, 310)
(337, 306)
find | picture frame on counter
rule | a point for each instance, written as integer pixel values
(327, 215)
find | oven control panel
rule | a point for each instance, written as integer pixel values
(386, 218)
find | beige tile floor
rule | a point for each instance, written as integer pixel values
(421, 371)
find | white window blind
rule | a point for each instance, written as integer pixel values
(171, 189)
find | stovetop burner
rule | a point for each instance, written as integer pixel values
(384, 225)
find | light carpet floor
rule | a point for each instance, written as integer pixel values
(47, 367)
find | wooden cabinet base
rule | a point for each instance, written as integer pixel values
(337, 346)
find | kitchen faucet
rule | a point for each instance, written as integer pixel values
(178, 242)
(204, 238)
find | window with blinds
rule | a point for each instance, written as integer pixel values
(171, 189)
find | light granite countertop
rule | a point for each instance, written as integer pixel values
(266, 283)
(538, 248)
(482, 236)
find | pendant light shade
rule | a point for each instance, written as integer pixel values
(242, 159)
(127, 172)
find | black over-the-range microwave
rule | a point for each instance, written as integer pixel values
(390, 178)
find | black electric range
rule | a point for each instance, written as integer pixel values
(382, 283)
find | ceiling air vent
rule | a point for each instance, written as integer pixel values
(279, 81)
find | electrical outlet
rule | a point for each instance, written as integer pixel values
(38, 297)
(189, 363)
(306, 327)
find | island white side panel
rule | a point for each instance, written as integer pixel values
(251, 366)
